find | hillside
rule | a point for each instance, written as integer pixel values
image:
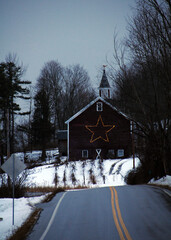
(81, 173)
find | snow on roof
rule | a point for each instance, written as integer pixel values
(90, 104)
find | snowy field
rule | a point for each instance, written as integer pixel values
(88, 173)
(107, 173)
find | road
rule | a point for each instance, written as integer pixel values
(111, 213)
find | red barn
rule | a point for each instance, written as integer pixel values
(98, 130)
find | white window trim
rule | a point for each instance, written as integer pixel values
(120, 153)
(83, 153)
(99, 106)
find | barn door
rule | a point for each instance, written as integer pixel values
(98, 151)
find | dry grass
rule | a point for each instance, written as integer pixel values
(52, 194)
(52, 189)
(42, 189)
(22, 232)
(160, 186)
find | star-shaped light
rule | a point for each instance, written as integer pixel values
(99, 131)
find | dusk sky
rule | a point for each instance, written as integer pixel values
(70, 31)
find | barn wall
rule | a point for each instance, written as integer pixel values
(80, 137)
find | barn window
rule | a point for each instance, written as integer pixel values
(84, 153)
(111, 151)
(120, 152)
(99, 106)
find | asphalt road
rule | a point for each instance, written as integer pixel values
(126, 213)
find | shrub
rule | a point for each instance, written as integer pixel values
(137, 176)
(7, 191)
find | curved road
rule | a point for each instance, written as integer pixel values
(115, 213)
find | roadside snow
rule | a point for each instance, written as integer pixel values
(23, 208)
(165, 181)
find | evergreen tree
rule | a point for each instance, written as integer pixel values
(11, 88)
(41, 125)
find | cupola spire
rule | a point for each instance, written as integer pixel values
(104, 88)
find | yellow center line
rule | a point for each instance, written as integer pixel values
(115, 216)
(119, 215)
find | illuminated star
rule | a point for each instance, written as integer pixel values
(99, 131)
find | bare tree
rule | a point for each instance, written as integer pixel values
(69, 89)
(77, 90)
(51, 78)
(143, 85)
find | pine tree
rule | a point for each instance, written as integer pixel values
(41, 125)
(11, 88)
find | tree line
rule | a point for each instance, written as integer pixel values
(143, 83)
(12, 87)
(59, 93)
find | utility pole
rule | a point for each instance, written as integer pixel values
(133, 145)
(8, 134)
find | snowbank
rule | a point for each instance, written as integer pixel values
(165, 181)
(23, 208)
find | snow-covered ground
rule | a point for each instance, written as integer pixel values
(107, 173)
(36, 155)
(23, 208)
(165, 181)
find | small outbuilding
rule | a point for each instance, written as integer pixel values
(62, 142)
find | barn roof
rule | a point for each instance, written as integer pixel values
(90, 104)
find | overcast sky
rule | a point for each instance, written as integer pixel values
(70, 31)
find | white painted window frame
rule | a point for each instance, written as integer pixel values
(99, 107)
(120, 153)
(83, 153)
